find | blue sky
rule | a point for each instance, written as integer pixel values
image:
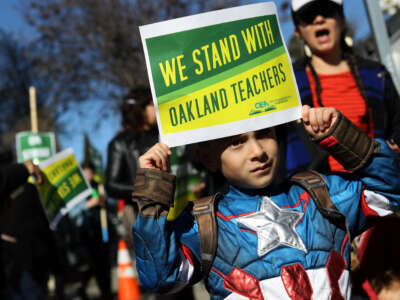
(85, 117)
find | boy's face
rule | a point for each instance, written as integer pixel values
(248, 160)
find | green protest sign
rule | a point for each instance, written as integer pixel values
(35, 146)
(220, 73)
(64, 186)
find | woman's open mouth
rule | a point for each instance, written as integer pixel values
(322, 35)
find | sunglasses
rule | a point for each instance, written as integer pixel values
(326, 9)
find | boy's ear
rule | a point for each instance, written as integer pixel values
(208, 159)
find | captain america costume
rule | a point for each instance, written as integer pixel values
(272, 244)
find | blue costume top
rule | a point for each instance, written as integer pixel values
(272, 244)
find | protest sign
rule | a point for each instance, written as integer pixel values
(64, 184)
(187, 180)
(220, 73)
(35, 146)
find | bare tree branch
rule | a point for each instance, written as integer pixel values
(87, 44)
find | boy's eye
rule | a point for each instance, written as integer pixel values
(236, 143)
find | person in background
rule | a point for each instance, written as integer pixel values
(361, 89)
(139, 132)
(13, 176)
(376, 269)
(27, 244)
(331, 75)
(87, 248)
(98, 233)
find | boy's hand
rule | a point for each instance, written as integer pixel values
(157, 157)
(319, 120)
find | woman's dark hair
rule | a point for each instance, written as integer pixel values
(133, 107)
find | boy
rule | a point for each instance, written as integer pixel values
(273, 242)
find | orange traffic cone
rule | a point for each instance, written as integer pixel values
(128, 287)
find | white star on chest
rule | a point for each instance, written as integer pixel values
(274, 226)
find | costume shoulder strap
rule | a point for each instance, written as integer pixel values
(315, 185)
(204, 211)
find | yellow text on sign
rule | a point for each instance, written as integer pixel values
(216, 54)
(63, 190)
(67, 186)
(232, 99)
(57, 170)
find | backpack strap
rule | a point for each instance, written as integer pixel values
(315, 185)
(204, 211)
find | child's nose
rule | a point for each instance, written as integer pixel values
(257, 151)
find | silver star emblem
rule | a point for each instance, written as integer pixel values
(274, 226)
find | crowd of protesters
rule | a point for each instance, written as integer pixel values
(329, 75)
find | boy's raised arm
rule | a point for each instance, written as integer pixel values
(162, 264)
(153, 182)
(339, 136)
(373, 189)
